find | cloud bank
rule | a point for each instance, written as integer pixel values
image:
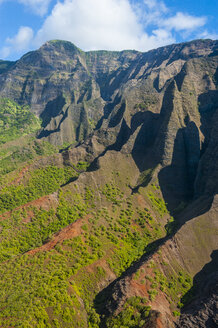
(100, 24)
(20, 42)
(105, 24)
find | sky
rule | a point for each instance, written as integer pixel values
(104, 24)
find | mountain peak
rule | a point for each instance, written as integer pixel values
(60, 45)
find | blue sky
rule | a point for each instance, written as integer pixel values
(104, 24)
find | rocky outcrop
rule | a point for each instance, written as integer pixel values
(160, 106)
(74, 92)
(203, 310)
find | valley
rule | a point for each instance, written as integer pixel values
(109, 180)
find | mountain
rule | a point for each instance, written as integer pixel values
(109, 181)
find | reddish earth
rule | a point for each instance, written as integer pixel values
(140, 289)
(139, 285)
(73, 230)
(110, 276)
(159, 323)
(155, 320)
(46, 202)
(20, 176)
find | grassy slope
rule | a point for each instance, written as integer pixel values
(57, 287)
(105, 228)
(15, 121)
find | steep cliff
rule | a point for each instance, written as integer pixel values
(109, 186)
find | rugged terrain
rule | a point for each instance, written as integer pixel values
(109, 180)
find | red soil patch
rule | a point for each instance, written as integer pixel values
(156, 321)
(73, 230)
(45, 202)
(159, 323)
(20, 176)
(140, 289)
(160, 305)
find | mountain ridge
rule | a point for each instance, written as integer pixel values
(119, 184)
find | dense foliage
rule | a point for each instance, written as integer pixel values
(134, 314)
(42, 297)
(22, 150)
(42, 182)
(15, 120)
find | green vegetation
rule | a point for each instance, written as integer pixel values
(67, 232)
(179, 285)
(130, 232)
(5, 65)
(42, 182)
(171, 226)
(113, 193)
(174, 285)
(15, 155)
(48, 287)
(25, 235)
(40, 284)
(149, 101)
(15, 120)
(134, 314)
(82, 166)
(158, 203)
(145, 177)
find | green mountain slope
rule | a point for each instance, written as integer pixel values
(16, 121)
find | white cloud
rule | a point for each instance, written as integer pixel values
(39, 7)
(156, 5)
(181, 22)
(207, 35)
(150, 12)
(99, 24)
(20, 42)
(5, 52)
(105, 24)
(150, 3)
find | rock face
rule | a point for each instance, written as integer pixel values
(161, 109)
(203, 310)
(160, 106)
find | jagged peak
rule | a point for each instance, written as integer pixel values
(193, 48)
(67, 45)
(53, 46)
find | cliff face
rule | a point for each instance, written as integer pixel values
(153, 118)
(160, 106)
(202, 311)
